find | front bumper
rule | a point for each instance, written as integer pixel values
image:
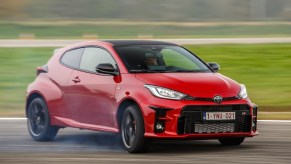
(183, 119)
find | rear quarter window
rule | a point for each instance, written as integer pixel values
(72, 58)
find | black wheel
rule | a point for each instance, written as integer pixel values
(38, 121)
(231, 141)
(132, 130)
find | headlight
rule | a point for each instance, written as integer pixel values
(165, 93)
(243, 92)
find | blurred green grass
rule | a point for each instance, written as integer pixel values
(17, 70)
(264, 68)
(10, 30)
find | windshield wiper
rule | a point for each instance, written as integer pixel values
(145, 71)
(185, 70)
(160, 71)
(149, 71)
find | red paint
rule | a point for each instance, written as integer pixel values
(90, 101)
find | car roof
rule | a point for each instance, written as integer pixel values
(136, 42)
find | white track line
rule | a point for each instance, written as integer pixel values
(274, 121)
(61, 43)
(13, 118)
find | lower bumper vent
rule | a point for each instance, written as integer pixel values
(214, 127)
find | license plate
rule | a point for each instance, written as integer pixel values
(218, 115)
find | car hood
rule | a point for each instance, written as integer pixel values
(204, 85)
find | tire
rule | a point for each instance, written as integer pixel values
(132, 131)
(231, 141)
(38, 121)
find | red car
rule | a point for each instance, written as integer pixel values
(142, 90)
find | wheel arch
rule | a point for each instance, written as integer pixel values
(121, 108)
(32, 96)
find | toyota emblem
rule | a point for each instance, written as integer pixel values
(217, 99)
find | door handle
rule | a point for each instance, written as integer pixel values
(76, 79)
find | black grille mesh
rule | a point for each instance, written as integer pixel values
(213, 127)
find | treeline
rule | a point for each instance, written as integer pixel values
(147, 10)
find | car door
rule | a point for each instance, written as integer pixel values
(60, 72)
(90, 96)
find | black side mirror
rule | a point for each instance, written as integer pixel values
(214, 66)
(106, 68)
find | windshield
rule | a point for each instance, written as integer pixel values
(160, 58)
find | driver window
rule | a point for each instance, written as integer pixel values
(92, 56)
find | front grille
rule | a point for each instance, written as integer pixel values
(191, 120)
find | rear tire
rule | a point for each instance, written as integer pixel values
(38, 121)
(231, 141)
(132, 130)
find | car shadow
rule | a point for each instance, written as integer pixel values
(100, 141)
(192, 146)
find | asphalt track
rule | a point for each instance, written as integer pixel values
(61, 43)
(273, 145)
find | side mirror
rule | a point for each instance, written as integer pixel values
(214, 66)
(106, 68)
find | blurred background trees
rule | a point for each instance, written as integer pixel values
(13, 9)
(147, 10)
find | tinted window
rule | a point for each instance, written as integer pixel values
(173, 58)
(72, 58)
(93, 56)
(160, 58)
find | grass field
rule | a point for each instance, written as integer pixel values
(105, 30)
(264, 68)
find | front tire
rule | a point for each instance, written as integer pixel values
(231, 141)
(132, 130)
(38, 121)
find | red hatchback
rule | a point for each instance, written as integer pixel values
(140, 89)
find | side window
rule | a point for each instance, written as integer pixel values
(93, 56)
(72, 58)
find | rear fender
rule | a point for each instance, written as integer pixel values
(49, 91)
